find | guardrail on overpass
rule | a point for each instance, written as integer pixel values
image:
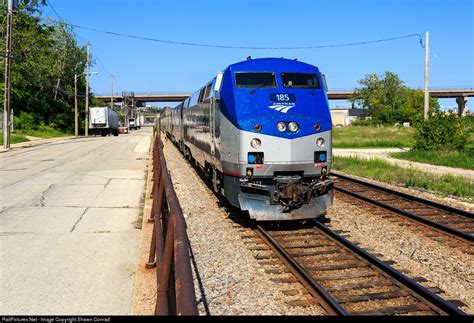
(332, 95)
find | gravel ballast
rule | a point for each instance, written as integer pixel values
(414, 253)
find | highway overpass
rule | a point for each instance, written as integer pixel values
(460, 95)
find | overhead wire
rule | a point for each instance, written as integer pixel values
(245, 47)
(103, 67)
(48, 2)
(420, 37)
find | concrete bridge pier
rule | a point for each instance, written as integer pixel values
(462, 105)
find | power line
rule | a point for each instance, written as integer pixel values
(243, 47)
(103, 67)
(55, 12)
(100, 62)
(64, 22)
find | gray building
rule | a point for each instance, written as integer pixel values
(344, 116)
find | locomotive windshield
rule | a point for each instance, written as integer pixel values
(300, 80)
(255, 80)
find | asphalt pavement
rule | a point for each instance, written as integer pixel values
(68, 242)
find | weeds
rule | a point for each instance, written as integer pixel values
(377, 169)
(372, 137)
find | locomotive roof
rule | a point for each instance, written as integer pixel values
(273, 64)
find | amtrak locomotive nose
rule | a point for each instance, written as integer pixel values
(262, 131)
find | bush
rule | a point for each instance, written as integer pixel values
(442, 131)
(25, 121)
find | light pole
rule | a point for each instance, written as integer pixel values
(427, 91)
(86, 132)
(112, 93)
(76, 121)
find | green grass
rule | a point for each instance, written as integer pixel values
(14, 138)
(43, 132)
(372, 137)
(444, 158)
(382, 171)
(469, 122)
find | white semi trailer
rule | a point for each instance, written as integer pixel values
(103, 121)
(141, 120)
(132, 123)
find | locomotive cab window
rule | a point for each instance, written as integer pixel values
(255, 80)
(300, 80)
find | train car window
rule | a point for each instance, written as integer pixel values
(186, 102)
(207, 91)
(194, 99)
(300, 80)
(201, 94)
(212, 85)
(255, 80)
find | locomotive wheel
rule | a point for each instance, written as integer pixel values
(209, 171)
(188, 154)
(216, 181)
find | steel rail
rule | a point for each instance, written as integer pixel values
(423, 294)
(407, 196)
(325, 299)
(421, 291)
(433, 224)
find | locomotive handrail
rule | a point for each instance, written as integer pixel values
(169, 249)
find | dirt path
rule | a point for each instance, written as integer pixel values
(32, 138)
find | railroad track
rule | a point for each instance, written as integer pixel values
(345, 279)
(449, 221)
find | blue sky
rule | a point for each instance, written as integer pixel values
(144, 66)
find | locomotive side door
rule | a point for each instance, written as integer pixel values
(215, 109)
(212, 126)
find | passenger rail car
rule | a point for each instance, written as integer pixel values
(262, 130)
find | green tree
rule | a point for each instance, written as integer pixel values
(388, 100)
(46, 57)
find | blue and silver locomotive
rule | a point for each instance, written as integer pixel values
(261, 130)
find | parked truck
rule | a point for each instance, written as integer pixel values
(103, 121)
(132, 123)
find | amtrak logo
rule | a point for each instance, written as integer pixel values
(282, 107)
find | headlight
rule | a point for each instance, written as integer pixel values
(320, 142)
(255, 143)
(293, 126)
(281, 126)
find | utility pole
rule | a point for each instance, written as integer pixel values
(8, 78)
(76, 122)
(112, 88)
(87, 92)
(427, 59)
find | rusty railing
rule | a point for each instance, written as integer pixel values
(169, 249)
